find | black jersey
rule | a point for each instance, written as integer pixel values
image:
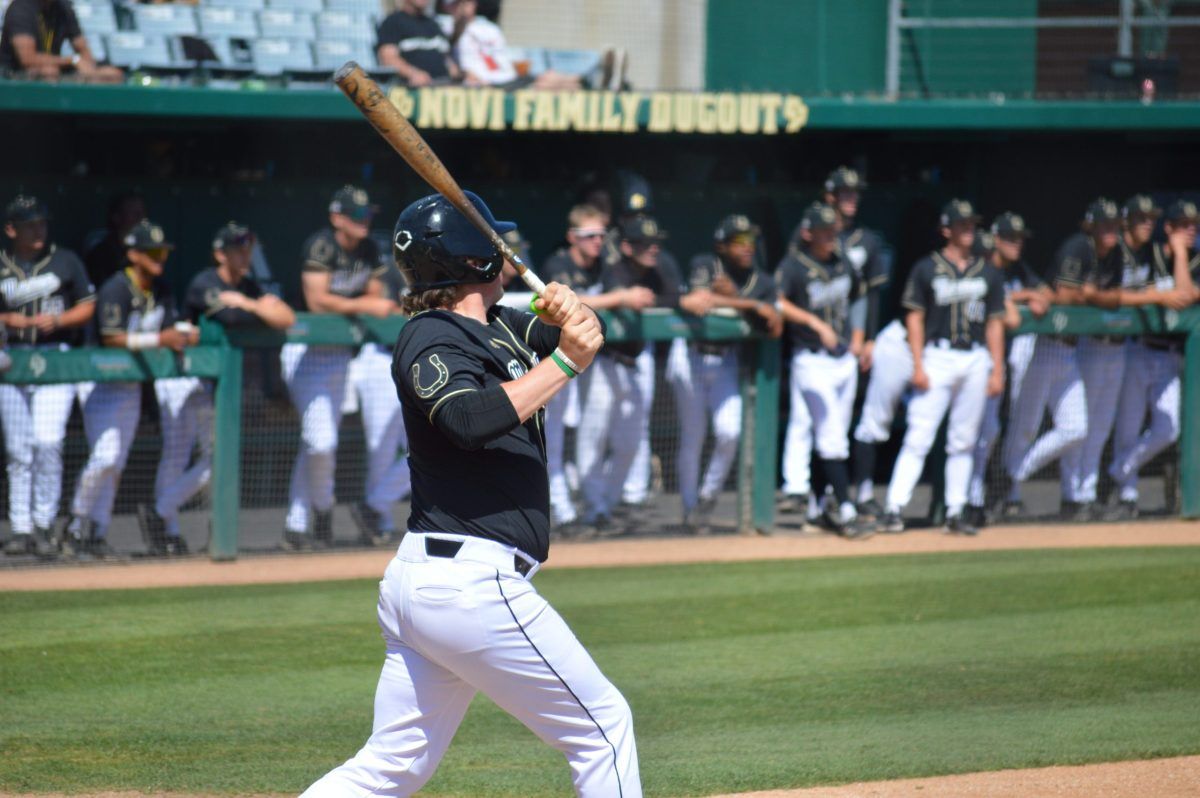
(663, 280)
(752, 283)
(1020, 276)
(124, 307)
(560, 267)
(349, 272)
(53, 283)
(392, 280)
(1074, 261)
(203, 300)
(1137, 265)
(864, 250)
(501, 491)
(823, 289)
(957, 304)
(1162, 277)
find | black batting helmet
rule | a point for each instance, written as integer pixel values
(436, 247)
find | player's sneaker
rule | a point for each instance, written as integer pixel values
(323, 529)
(960, 525)
(891, 523)
(793, 504)
(295, 541)
(38, 544)
(870, 509)
(98, 549)
(369, 523)
(859, 529)
(177, 546)
(1121, 511)
(975, 515)
(154, 530)
(74, 532)
(698, 521)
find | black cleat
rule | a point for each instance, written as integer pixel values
(154, 530)
(859, 529)
(323, 529)
(699, 520)
(975, 515)
(70, 539)
(98, 549)
(177, 546)
(1121, 511)
(295, 541)
(793, 504)
(960, 525)
(891, 523)
(870, 509)
(369, 523)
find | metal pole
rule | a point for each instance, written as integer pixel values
(892, 74)
(1125, 30)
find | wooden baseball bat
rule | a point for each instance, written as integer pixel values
(404, 138)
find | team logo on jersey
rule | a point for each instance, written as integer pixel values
(823, 295)
(20, 292)
(403, 240)
(111, 316)
(212, 298)
(516, 369)
(948, 291)
(439, 381)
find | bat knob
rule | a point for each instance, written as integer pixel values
(345, 70)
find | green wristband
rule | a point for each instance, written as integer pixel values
(570, 372)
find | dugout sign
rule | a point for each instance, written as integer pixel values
(709, 113)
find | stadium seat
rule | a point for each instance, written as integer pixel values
(311, 6)
(134, 49)
(228, 22)
(165, 20)
(244, 5)
(95, 42)
(345, 25)
(276, 56)
(371, 8)
(96, 17)
(283, 24)
(572, 62)
(331, 54)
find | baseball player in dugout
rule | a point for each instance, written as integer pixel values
(457, 608)
(616, 410)
(725, 278)
(955, 319)
(135, 311)
(817, 285)
(47, 299)
(340, 274)
(1153, 364)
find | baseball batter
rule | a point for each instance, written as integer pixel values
(135, 311)
(955, 322)
(339, 275)
(708, 391)
(456, 606)
(47, 298)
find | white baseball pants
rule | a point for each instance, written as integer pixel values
(1020, 354)
(1053, 381)
(562, 509)
(637, 483)
(798, 438)
(388, 477)
(35, 425)
(891, 373)
(185, 411)
(454, 627)
(1102, 366)
(615, 411)
(316, 379)
(110, 420)
(958, 383)
(827, 386)
(1151, 383)
(708, 390)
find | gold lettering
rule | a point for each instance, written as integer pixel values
(403, 100)
(571, 110)
(592, 123)
(795, 113)
(684, 114)
(522, 108)
(748, 113)
(456, 107)
(497, 117)
(543, 111)
(706, 113)
(478, 101)
(631, 101)
(770, 118)
(430, 102)
(610, 120)
(727, 116)
(660, 113)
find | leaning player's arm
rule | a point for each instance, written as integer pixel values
(77, 315)
(914, 301)
(321, 300)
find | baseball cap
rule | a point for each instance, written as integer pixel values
(1102, 209)
(635, 194)
(1009, 225)
(518, 242)
(958, 210)
(641, 228)
(1140, 204)
(232, 234)
(1182, 211)
(984, 244)
(24, 208)
(734, 226)
(844, 177)
(818, 215)
(354, 202)
(147, 235)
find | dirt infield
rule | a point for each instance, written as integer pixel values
(1163, 778)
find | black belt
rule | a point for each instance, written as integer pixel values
(440, 547)
(703, 348)
(1108, 339)
(962, 346)
(1065, 340)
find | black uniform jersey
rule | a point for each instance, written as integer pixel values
(123, 307)
(863, 249)
(392, 280)
(1020, 276)
(663, 280)
(823, 289)
(1137, 266)
(752, 283)
(560, 267)
(501, 491)
(349, 272)
(1074, 261)
(203, 300)
(957, 304)
(54, 283)
(1162, 277)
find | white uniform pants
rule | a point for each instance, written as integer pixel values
(316, 378)
(708, 390)
(891, 373)
(615, 411)
(798, 439)
(110, 420)
(557, 411)
(1019, 356)
(35, 424)
(637, 483)
(958, 383)
(457, 626)
(827, 386)
(1052, 381)
(1102, 366)
(185, 411)
(1151, 383)
(388, 478)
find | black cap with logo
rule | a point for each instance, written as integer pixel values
(818, 216)
(958, 210)
(231, 235)
(1140, 205)
(735, 226)
(147, 235)
(1102, 209)
(844, 177)
(641, 229)
(354, 202)
(635, 194)
(24, 208)
(1182, 211)
(1011, 225)
(519, 244)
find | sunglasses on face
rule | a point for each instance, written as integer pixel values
(158, 253)
(587, 235)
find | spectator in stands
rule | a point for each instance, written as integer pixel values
(482, 52)
(413, 44)
(32, 40)
(106, 257)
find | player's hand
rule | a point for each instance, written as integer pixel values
(721, 284)
(866, 357)
(45, 322)
(773, 318)
(637, 297)
(418, 77)
(1038, 306)
(557, 305)
(235, 299)
(829, 338)
(1176, 299)
(173, 339)
(698, 302)
(920, 380)
(18, 321)
(995, 384)
(1177, 241)
(581, 337)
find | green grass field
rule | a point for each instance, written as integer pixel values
(746, 676)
